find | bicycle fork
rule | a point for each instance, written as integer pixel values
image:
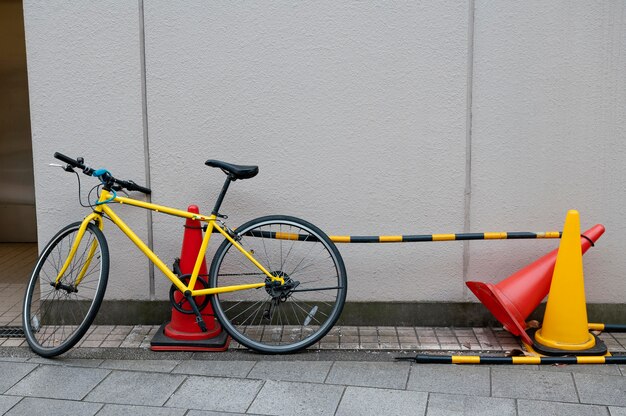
(92, 250)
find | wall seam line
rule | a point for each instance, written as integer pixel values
(468, 140)
(146, 142)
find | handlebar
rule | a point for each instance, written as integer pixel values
(102, 174)
(69, 160)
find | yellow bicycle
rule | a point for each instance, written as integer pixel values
(277, 283)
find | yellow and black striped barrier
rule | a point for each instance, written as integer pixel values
(442, 237)
(410, 238)
(606, 327)
(476, 359)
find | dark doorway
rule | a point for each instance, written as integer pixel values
(18, 225)
(17, 188)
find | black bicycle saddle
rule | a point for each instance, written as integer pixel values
(237, 171)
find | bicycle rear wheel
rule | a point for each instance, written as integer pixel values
(279, 318)
(55, 316)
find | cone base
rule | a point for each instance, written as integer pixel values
(501, 308)
(598, 349)
(185, 328)
(161, 342)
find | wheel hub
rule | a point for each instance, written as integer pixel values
(67, 288)
(277, 290)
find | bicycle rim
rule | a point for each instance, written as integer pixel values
(56, 317)
(287, 317)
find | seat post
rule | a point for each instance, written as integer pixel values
(220, 198)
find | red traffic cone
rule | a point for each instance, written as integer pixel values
(182, 333)
(513, 299)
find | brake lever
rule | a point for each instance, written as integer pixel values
(66, 168)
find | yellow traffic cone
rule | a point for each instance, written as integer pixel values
(565, 327)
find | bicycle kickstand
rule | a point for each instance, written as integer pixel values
(196, 311)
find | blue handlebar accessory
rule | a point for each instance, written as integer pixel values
(99, 172)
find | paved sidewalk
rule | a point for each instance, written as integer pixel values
(339, 338)
(368, 338)
(118, 381)
(351, 371)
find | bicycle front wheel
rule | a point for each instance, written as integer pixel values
(56, 314)
(279, 318)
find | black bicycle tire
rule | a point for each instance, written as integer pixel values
(288, 348)
(95, 305)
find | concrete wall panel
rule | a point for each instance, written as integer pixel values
(355, 113)
(549, 98)
(85, 94)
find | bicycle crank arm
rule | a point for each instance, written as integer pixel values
(196, 311)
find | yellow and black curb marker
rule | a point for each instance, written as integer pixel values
(475, 359)
(410, 238)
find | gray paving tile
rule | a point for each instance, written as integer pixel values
(440, 404)
(599, 389)
(214, 368)
(537, 407)
(216, 393)
(610, 370)
(209, 413)
(36, 406)
(160, 366)
(617, 411)
(7, 402)
(531, 367)
(306, 371)
(125, 387)
(372, 401)
(12, 372)
(369, 374)
(296, 399)
(14, 359)
(68, 362)
(118, 409)
(437, 378)
(69, 382)
(540, 385)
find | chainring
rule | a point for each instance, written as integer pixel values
(178, 300)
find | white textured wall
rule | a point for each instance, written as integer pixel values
(356, 114)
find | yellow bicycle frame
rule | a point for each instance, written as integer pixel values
(102, 208)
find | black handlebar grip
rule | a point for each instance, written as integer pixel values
(143, 189)
(67, 159)
(132, 186)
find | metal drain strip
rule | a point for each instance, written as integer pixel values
(11, 332)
